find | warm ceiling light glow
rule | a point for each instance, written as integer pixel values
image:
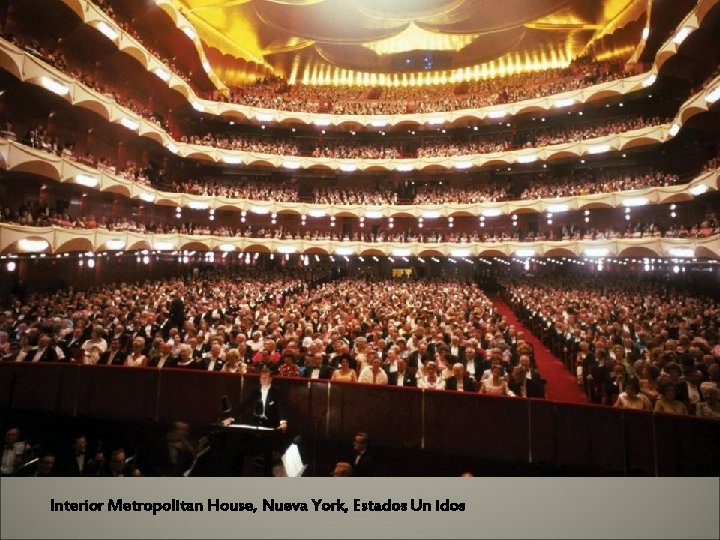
(107, 30)
(649, 81)
(130, 123)
(713, 95)
(527, 158)
(597, 252)
(403, 167)
(197, 105)
(172, 147)
(682, 34)
(189, 31)
(373, 214)
(460, 252)
(401, 252)
(463, 164)
(317, 213)
(264, 117)
(674, 129)
(287, 249)
(646, 32)
(197, 205)
(147, 197)
(260, 210)
(557, 208)
(25, 244)
(497, 114)
(163, 245)
(599, 149)
(54, 86)
(348, 167)
(115, 244)
(491, 212)
(430, 214)
(291, 164)
(415, 38)
(639, 201)
(87, 180)
(226, 247)
(232, 160)
(162, 74)
(559, 103)
(525, 252)
(681, 252)
(699, 189)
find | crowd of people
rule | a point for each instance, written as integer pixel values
(439, 334)
(275, 93)
(634, 343)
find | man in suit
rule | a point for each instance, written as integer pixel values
(79, 462)
(460, 381)
(213, 360)
(522, 386)
(363, 462)
(268, 411)
(45, 351)
(114, 356)
(176, 308)
(401, 377)
(315, 368)
(473, 363)
(164, 359)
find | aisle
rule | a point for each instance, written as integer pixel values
(561, 384)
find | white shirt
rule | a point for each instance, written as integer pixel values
(263, 397)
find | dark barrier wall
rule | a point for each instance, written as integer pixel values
(512, 430)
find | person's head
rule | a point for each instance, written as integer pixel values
(232, 357)
(360, 442)
(711, 394)
(632, 386)
(342, 468)
(519, 374)
(458, 370)
(117, 460)
(44, 341)
(265, 377)
(497, 372)
(215, 349)
(80, 444)
(115, 344)
(431, 368)
(178, 431)
(12, 435)
(138, 345)
(401, 365)
(673, 370)
(524, 361)
(667, 389)
(46, 464)
(185, 352)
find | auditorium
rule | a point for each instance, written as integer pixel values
(397, 238)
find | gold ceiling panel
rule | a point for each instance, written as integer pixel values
(396, 37)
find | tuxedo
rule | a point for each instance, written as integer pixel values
(79, 465)
(451, 383)
(408, 379)
(112, 358)
(170, 361)
(534, 388)
(324, 372)
(364, 464)
(72, 346)
(49, 354)
(204, 364)
(268, 413)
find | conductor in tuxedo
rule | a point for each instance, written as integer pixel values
(268, 411)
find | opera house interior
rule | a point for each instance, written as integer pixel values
(458, 236)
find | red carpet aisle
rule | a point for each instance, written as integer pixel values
(561, 384)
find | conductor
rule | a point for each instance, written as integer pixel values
(268, 412)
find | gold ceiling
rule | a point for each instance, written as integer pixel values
(381, 41)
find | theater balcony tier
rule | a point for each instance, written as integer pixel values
(19, 158)
(44, 241)
(95, 17)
